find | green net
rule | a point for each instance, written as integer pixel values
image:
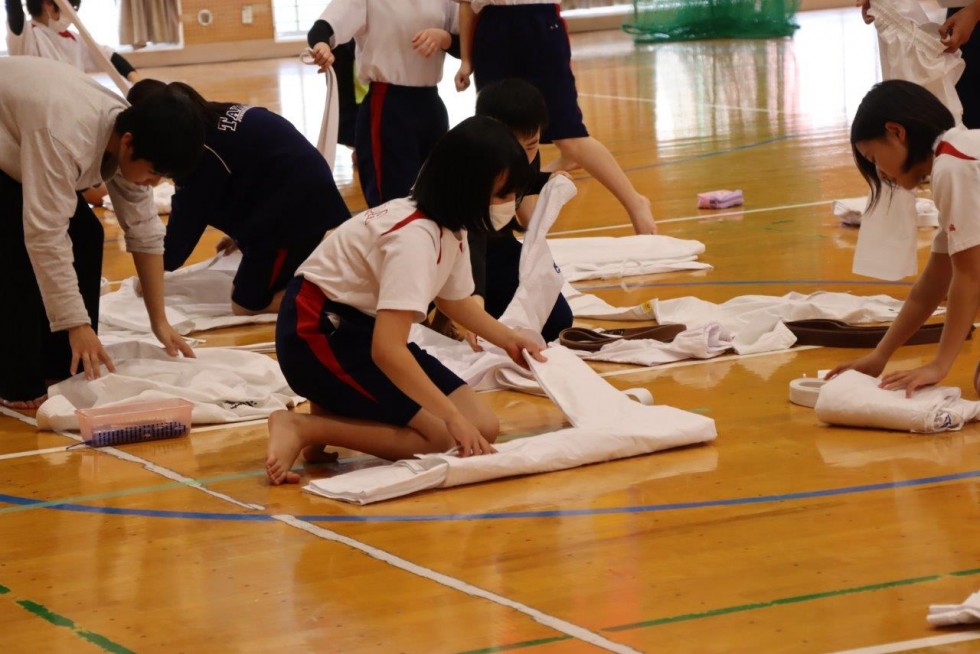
(655, 21)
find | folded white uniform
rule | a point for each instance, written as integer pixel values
(941, 615)
(224, 385)
(606, 425)
(624, 256)
(854, 399)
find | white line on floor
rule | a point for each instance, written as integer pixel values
(906, 645)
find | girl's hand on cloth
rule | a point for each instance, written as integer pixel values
(870, 364)
(911, 380)
(467, 437)
(525, 341)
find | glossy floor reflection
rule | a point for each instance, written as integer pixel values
(784, 535)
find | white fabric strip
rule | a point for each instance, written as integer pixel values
(607, 256)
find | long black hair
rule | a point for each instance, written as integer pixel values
(921, 113)
(456, 183)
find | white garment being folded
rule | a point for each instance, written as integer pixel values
(163, 194)
(910, 50)
(854, 399)
(224, 385)
(705, 342)
(197, 298)
(326, 143)
(850, 211)
(887, 240)
(942, 615)
(754, 320)
(624, 256)
(607, 426)
(586, 305)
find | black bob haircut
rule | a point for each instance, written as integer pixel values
(921, 113)
(36, 7)
(168, 123)
(456, 183)
(516, 103)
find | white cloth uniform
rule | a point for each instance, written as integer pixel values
(887, 241)
(607, 426)
(943, 615)
(224, 385)
(605, 257)
(911, 50)
(391, 257)
(851, 210)
(956, 189)
(55, 123)
(39, 40)
(855, 399)
(705, 342)
(383, 30)
(480, 4)
(197, 298)
(755, 321)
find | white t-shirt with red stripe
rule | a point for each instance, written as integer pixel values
(391, 257)
(956, 190)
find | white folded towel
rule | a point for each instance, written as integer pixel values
(855, 399)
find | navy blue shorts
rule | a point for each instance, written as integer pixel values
(262, 274)
(530, 42)
(397, 126)
(332, 366)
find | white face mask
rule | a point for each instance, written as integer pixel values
(61, 24)
(502, 214)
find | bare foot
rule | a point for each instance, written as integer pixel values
(24, 405)
(317, 454)
(285, 445)
(641, 216)
(561, 163)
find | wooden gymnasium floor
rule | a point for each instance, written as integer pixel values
(784, 535)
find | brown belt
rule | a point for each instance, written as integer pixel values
(834, 333)
(580, 338)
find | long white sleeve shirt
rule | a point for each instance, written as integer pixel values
(55, 124)
(383, 30)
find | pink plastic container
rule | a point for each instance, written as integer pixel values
(135, 422)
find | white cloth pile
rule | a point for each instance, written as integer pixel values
(854, 399)
(197, 298)
(608, 257)
(163, 194)
(606, 425)
(942, 615)
(850, 211)
(224, 385)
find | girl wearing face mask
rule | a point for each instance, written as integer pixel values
(342, 333)
(496, 255)
(47, 35)
(900, 135)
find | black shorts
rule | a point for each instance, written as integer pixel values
(331, 365)
(531, 42)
